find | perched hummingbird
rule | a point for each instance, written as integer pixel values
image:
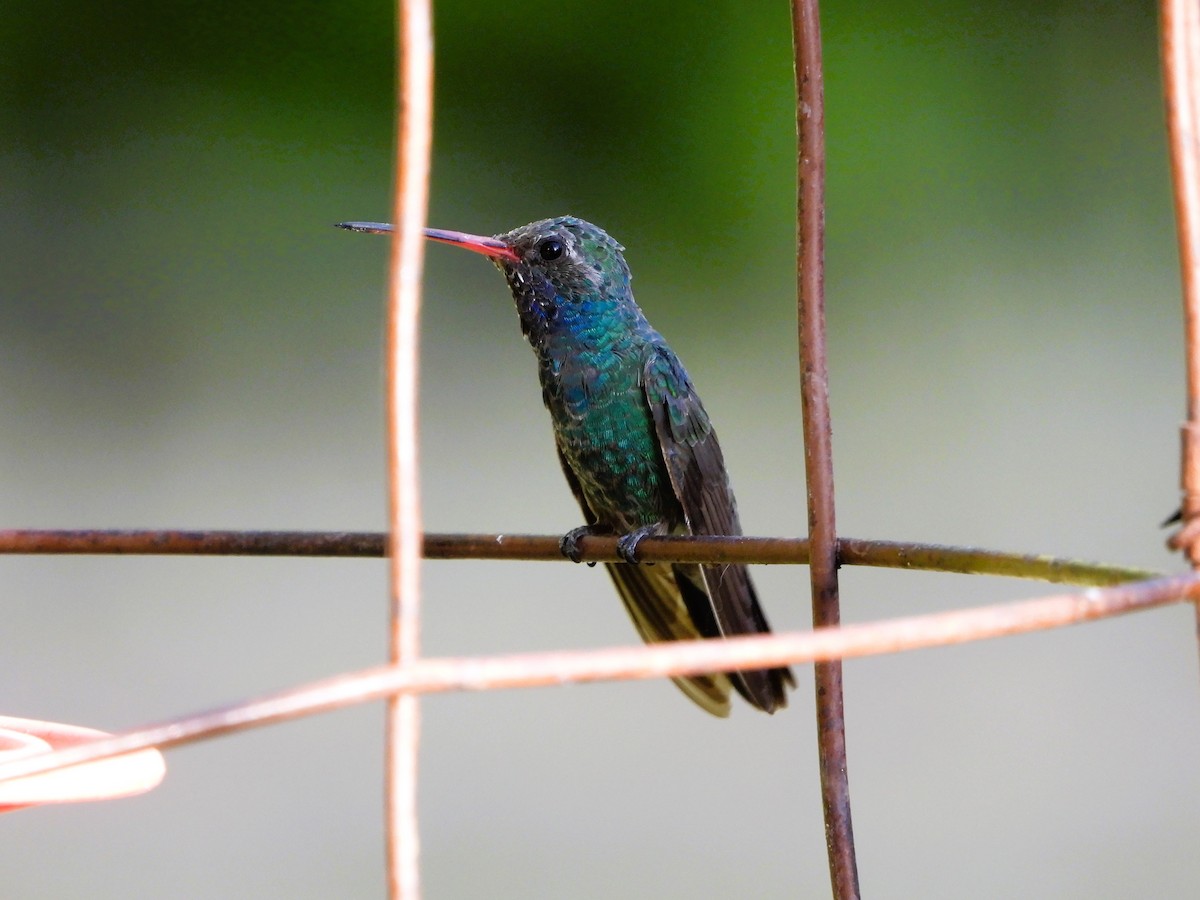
(633, 439)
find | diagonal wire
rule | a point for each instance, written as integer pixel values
(645, 661)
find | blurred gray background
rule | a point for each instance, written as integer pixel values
(186, 342)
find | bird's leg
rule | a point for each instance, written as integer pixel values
(627, 544)
(568, 544)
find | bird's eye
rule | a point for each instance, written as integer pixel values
(550, 248)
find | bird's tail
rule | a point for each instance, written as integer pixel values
(653, 599)
(723, 603)
(671, 603)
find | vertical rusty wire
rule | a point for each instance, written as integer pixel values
(414, 88)
(1180, 24)
(818, 450)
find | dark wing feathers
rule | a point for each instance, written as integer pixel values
(696, 468)
(659, 612)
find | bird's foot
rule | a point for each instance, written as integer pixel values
(568, 544)
(627, 544)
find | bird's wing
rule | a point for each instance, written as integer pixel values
(656, 605)
(696, 468)
(654, 602)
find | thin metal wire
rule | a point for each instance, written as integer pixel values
(545, 548)
(414, 138)
(640, 662)
(1180, 25)
(818, 447)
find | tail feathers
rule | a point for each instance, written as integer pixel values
(765, 689)
(670, 603)
(653, 599)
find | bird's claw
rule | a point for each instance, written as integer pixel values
(568, 544)
(627, 544)
(627, 547)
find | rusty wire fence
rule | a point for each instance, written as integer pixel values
(1110, 590)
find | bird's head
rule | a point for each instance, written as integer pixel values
(551, 265)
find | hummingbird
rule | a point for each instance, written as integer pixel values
(634, 441)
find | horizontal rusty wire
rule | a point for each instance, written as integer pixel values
(544, 548)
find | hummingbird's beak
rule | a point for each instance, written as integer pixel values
(492, 247)
(366, 227)
(474, 242)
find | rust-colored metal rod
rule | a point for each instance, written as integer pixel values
(707, 548)
(1180, 24)
(641, 662)
(818, 448)
(414, 139)
(179, 542)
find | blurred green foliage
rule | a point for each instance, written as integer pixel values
(668, 122)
